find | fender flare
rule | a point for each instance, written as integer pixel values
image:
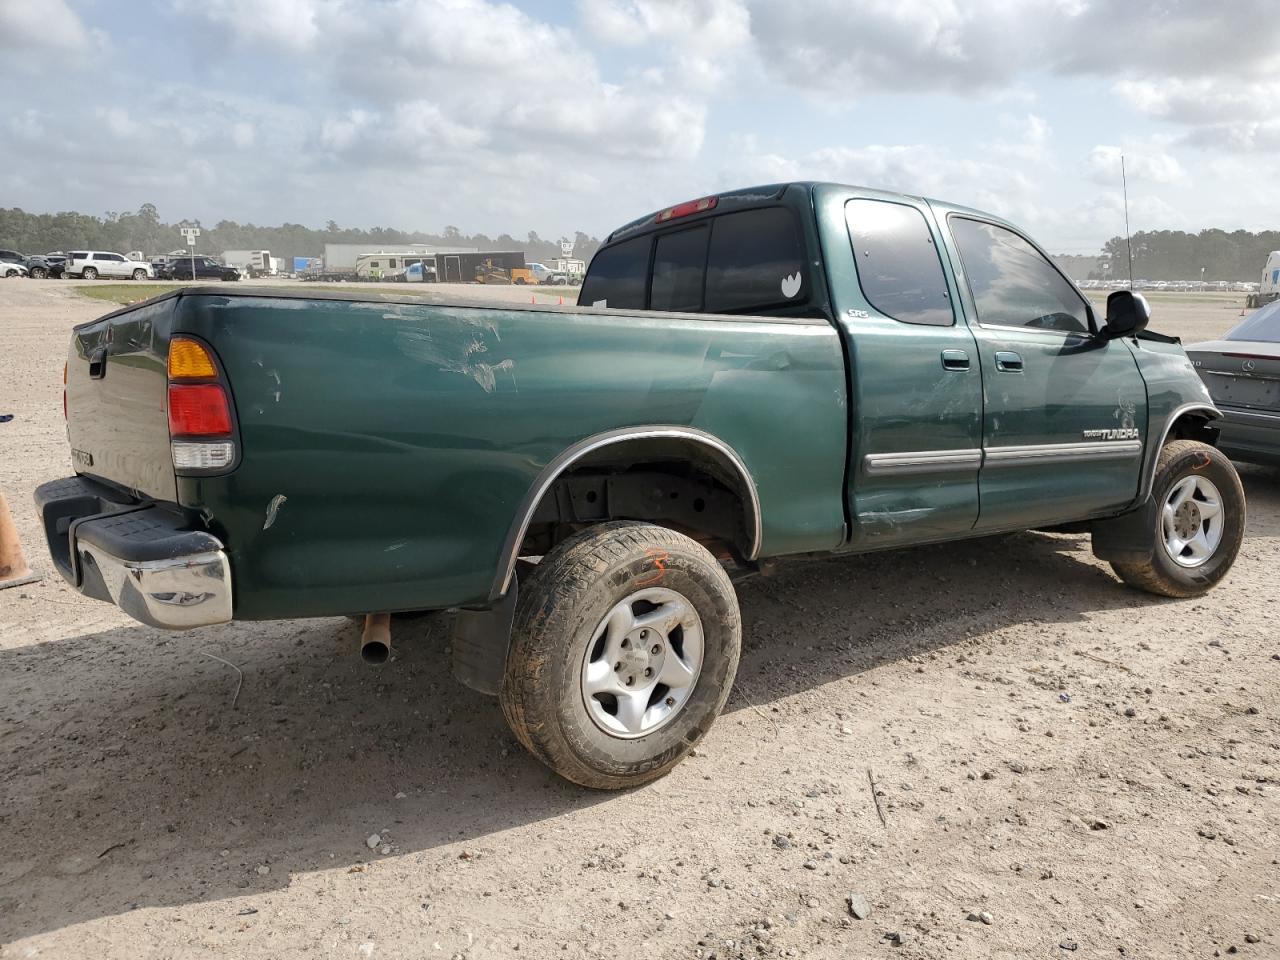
(1153, 449)
(724, 454)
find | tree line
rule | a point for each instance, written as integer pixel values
(1157, 254)
(33, 233)
(1176, 255)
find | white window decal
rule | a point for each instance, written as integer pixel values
(791, 285)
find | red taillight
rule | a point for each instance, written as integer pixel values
(198, 410)
(685, 209)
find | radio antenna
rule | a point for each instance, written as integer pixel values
(1124, 183)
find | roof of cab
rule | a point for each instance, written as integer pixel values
(772, 192)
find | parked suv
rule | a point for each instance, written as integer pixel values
(91, 264)
(198, 268)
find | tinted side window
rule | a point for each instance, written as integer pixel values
(898, 265)
(679, 264)
(617, 276)
(755, 261)
(1012, 284)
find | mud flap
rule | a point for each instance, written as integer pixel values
(1128, 538)
(481, 639)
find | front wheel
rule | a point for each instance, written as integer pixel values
(623, 650)
(10, 273)
(139, 274)
(1199, 522)
(38, 273)
(90, 273)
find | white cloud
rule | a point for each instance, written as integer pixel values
(50, 25)
(1103, 165)
(702, 37)
(288, 24)
(243, 135)
(118, 122)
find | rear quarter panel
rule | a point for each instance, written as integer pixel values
(386, 445)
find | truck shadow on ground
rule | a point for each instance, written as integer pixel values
(131, 781)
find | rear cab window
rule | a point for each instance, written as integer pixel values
(737, 261)
(617, 276)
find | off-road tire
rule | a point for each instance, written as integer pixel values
(89, 273)
(1159, 574)
(561, 604)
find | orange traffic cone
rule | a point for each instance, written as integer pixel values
(562, 301)
(13, 566)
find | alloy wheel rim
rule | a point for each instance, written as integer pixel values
(1191, 521)
(643, 663)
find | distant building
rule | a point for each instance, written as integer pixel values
(343, 256)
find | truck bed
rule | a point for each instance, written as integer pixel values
(387, 441)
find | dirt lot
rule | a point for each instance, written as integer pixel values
(1089, 765)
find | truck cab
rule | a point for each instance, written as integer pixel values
(985, 394)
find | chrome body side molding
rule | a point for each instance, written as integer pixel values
(1042, 453)
(939, 461)
(921, 461)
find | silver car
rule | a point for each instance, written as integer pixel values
(1242, 372)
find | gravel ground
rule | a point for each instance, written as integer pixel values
(1092, 770)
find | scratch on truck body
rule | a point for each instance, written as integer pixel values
(273, 508)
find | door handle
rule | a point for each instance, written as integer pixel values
(1008, 362)
(98, 364)
(955, 360)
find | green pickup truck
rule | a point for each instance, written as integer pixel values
(788, 370)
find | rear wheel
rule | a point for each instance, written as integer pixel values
(1199, 525)
(623, 650)
(90, 273)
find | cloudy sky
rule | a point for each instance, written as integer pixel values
(560, 116)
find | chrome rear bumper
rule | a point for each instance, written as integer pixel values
(143, 557)
(176, 593)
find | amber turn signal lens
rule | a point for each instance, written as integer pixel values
(189, 360)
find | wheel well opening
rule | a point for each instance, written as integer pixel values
(674, 483)
(1194, 426)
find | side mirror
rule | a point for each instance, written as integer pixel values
(1127, 314)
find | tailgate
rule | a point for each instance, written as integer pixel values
(117, 386)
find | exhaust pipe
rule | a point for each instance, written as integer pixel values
(375, 641)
